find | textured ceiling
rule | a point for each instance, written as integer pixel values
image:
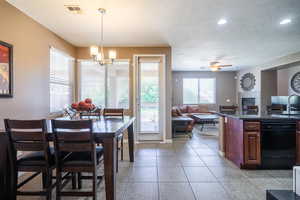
(251, 37)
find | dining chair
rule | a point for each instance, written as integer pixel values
(275, 109)
(252, 110)
(116, 112)
(94, 113)
(77, 138)
(113, 112)
(29, 137)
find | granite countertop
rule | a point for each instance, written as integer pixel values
(243, 116)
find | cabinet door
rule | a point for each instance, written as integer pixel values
(252, 148)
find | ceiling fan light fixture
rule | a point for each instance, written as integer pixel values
(214, 69)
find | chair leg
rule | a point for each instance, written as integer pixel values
(117, 164)
(73, 180)
(122, 149)
(95, 184)
(49, 185)
(58, 184)
(79, 180)
(44, 179)
(15, 186)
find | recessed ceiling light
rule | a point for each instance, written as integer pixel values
(222, 21)
(285, 21)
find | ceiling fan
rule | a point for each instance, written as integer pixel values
(215, 66)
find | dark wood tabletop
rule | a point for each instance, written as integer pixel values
(104, 127)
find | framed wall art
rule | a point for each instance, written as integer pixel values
(247, 81)
(6, 70)
(295, 82)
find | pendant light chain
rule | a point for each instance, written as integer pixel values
(102, 37)
(98, 55)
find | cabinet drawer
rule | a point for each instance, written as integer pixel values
(252, 126)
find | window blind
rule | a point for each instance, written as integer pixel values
(61, 80)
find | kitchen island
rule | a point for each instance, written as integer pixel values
(260, 141)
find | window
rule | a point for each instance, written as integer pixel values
(61, 80)
(92, 82)
(106, 86)
(199, 91)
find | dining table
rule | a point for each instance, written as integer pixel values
(106, 130)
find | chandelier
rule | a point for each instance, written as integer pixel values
(97, 52)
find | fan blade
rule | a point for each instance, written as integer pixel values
(225, 65)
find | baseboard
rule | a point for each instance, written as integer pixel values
(221, 153)
(168, 141)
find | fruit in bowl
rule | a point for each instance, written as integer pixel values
(88, 100)
(74, 106)
(85, 105)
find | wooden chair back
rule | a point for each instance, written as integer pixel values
(252, 109)
(228, 109)
(275, 109)
(113, 112)
(28, 135)
(73, 136)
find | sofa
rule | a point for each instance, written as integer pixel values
(188, 111)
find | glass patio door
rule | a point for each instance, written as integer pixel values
(148, 99)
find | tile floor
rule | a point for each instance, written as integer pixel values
(190, 169)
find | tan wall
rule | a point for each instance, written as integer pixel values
(225, 86)
(268, 88)
(31, 43)
(284, 77)
(127, 53)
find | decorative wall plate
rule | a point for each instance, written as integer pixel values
(248, 81)
(295, 82)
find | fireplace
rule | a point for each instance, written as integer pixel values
(247, 102)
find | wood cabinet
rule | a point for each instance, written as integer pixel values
(251, 126)
(252, 147)
(243, 142)
(234, 141)
(252, 150)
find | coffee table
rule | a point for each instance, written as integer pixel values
(181, 122)
(205, 119)
(282, 195)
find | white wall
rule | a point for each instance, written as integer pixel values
(255, 92)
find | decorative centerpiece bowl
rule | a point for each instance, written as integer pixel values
(81, 108)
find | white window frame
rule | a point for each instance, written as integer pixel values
(79, 74)
(71, 79)
(198, 93)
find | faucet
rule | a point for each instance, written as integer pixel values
(289, 103)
